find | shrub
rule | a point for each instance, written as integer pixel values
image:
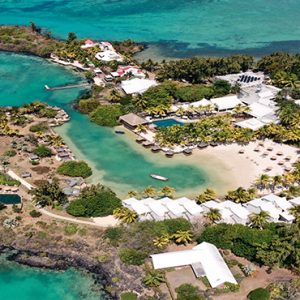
(2, 206)
(10, 153)
(42, 151)
(6, 180)
(70, 229)
(87, 106)
(132, 257)
(106, 115)
(259, 294)
(231, 287)
(39, 127)
(94, 201)
(35, 214)
(16, 209)
(114, 234)
(129, 296)
(179, 224)
(188, 292)
(75, 169)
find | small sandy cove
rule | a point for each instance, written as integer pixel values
(246, 163)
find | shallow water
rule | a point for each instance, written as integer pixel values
(116, 160)
(174, 28)
(19, 282)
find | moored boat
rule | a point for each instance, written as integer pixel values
(158, 177)
(119, 132)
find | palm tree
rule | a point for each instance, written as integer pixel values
(150, 191)
(213, 215)
(295, 211)
(263, 181)
(161, 241)
(132, 193)
(207, 195)
(258, 220)
(154, 278)
(55, 140)
(276, 181)
(141, 128)
(183, 236)
(180, 112)
(168, 191)
(140, 102)
(125, 215)
(241, 109)
(240, 195)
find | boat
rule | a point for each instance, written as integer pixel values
(158, 177)
(119, 132)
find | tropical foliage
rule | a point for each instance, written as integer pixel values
(75, 169)
(106, 115)
(94, 201)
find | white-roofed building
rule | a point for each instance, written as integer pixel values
(240, 214)
(137, 85)
(192, 208)
(254, 206)
(109, 55)
(158, 211)
(272, 210)
(209, 204)
(287, 217)
(295, 201)
(279, 202)
(226, 103)
(205, 259)
(253, 124)
(176, 210)
(259, 110)
(226, 216)
(203, 102)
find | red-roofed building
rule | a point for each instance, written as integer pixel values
(125, 70)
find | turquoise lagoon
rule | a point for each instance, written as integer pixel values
(117, 161)
(19, 282)
(174, 28)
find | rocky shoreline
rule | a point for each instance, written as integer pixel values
(59, 262)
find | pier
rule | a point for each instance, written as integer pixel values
(73, 86)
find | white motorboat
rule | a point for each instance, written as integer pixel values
(158, 177)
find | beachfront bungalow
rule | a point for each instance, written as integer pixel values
(175, 209)
(206, 206)
(258, 205)
(109, 55)
(34, 158)
(193, 210)
(279, 202)
(258, 110)
(137, 85)
(158, 211)
(132, 120)
(240, 214)
(226, 103)
(295, 201)
(253, 124)
(140, 208)
(205, 260)
(254, 206)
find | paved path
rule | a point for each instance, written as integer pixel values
(103, 222)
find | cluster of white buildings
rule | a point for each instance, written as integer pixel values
(134, 71)
(231, 213)
(137, 85)
(107, 52)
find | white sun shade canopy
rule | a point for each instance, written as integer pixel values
(252, 124)
(213, 264)
(203, 102)
(225, 103)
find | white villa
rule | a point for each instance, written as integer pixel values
(205, 260)
(89, 44)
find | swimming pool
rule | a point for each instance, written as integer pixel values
(10, 199)
(167, 123)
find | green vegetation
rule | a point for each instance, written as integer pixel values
(75, 169)
(241, 195)
(125, 215)
(86, 106)
(114, 234)
(49, 194)
(132, 256)
(198, 69)
(35, 214)
(273, 245)
(154, 278)
(6, 180)
(10, 153)
(129, 296)
(42, 151)
(259, 294)
(106, 115)
(70, 229)
(28, 39)
(94, 201)
(40, 127)
(188, 292)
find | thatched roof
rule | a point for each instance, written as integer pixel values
(133, 119)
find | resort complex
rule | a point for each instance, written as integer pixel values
(165, 180)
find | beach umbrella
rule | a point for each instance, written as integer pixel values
(288, 158)
(279, 153)
(270, 149)
(269, 168)
(273, 158)
(256, 149)
(261, 144)
(242, 151)
(281, 163)
(287, 169)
